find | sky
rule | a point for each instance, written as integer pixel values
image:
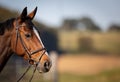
(53, 12)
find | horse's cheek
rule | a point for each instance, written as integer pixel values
(17, 48)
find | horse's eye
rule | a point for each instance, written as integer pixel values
(28, 35)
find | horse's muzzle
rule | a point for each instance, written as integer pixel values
(44, 67)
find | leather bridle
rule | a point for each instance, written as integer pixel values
(29, 53)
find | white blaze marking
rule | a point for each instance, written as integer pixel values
(37, 34)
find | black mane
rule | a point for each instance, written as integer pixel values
(7, 25)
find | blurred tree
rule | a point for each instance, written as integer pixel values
(114, 27)
(84, 23)
(69, 24)
(88, 24)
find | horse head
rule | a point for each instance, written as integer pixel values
(26, 41)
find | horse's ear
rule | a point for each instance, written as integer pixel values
(32, 14)
(23, 14)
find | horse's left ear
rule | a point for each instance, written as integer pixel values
(32, 14)
(23, 14)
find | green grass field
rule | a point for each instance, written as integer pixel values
(106, 76)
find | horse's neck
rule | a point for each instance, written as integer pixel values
(5, 51)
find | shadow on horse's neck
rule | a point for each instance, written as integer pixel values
(5, 39)
(5, 50)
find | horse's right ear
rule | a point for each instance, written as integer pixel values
(32, 14)
(23, 14)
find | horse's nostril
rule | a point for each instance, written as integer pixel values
(47, 66)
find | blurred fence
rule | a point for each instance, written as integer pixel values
(94, 42)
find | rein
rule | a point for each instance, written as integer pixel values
(28, 70)
(18, 35)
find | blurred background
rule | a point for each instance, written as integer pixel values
(81, 36)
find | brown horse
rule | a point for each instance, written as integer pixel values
(20, 36)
